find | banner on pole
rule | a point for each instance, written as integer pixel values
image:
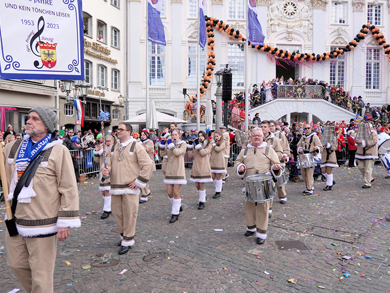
(202, 24)
(256, 36)
(41, 39)
(156, 32)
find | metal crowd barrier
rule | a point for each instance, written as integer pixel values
(85, 161)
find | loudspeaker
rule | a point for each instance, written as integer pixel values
(184, 91)
(227, 86)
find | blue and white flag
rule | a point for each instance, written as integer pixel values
(256, 36)
(202, 24)
(156, 28)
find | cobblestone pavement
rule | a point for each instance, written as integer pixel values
(336, 232)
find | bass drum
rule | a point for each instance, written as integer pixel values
(384, 147)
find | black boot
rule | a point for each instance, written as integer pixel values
(123, 249)
(217, 195)
(174, 218)
(105, 215)
(327, 188)
(201, 206)
(181, 209)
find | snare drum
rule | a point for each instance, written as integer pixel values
(282, 180)
(306, 161)
(259, 188)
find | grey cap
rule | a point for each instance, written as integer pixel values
(48, 116)
(223, 127)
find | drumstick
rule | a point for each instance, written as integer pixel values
(270, 159)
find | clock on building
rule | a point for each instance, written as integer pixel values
(290, 9)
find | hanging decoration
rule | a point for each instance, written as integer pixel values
(286, 56)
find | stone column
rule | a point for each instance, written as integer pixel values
(358, 56)
(136, 15)
(176, 55)
(319, 31)
(309, 117)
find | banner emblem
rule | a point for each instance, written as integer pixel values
(48, 54)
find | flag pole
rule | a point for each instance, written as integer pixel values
(147, 65)
(198, 73)
(246, 68)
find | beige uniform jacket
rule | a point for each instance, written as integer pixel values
(217, 157)
(99, 158)
(149, 148)
(368, 149)
(128, 163)
(274, 143)
(283, 142)
(175, 170)
(304, 142)
(328, 155)
(56, 204)
(226, 139)
(201, 170)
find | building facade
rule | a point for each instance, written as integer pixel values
(105, 66)
(307, 26)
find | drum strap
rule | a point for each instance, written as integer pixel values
(245, 152)
(266, 150)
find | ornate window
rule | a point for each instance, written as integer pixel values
(115, 114)
(156, 64)
(339, 12)
(192, 8)
(87, 19)
(337, 71)
(101, 31)
(69, 110)
(373, 68)
(115, 37)
(374, 14)
(88, 72)
(102, 75)
(192, 56)
(236, 57)
(236, 9)
(115, 74)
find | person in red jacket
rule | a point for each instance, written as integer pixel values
(351, 148)
(340, 143)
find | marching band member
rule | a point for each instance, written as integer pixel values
(251, 161)
(366, 154)
(309, 143)
(385, 158)
(217, 161)
(104, 183)
(329, 161)
(129, 168)
(226, 139)
(274, 143)
(200, 171)
(175, 175)
(149, 148)
(163, 151)
(280, 135)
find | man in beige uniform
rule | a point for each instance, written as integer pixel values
(285, 156)
(148, 144)
(366, 154)
(274, 143)
(252, 161)
(309, 143)
(129, 169)
(226, 139)
(47, 208)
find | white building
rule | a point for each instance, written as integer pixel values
(305, 25)
(105, 64)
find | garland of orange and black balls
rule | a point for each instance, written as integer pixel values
(212, 23)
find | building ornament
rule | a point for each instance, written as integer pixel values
(218, 2)
(339, 40)
(358, 5)
(282, 16)
(177, 1)
(193, 35)
(262, 2)
(339, 31)
(319, 4)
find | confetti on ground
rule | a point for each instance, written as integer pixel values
(68, 263)
(86, 267)
(122, 272)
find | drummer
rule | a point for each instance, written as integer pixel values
(384, 156)
(252, 161)
(309, 143)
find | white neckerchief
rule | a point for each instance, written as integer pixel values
(263, 145)
(146, 140)
(307, 136)
(126, 143)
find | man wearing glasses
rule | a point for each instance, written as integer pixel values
(68, 139)
(129, 168)
(309, 143)
(252, 161)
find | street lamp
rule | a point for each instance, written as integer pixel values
(121, 100)
(84, 87)
(68, 86)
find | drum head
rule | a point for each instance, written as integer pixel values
(383, 147)
(258, 177)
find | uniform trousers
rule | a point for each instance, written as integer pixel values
(125, 210)
(307, 174)
(145, 191)
(32, 261)
(257, 216)
(365, 167)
